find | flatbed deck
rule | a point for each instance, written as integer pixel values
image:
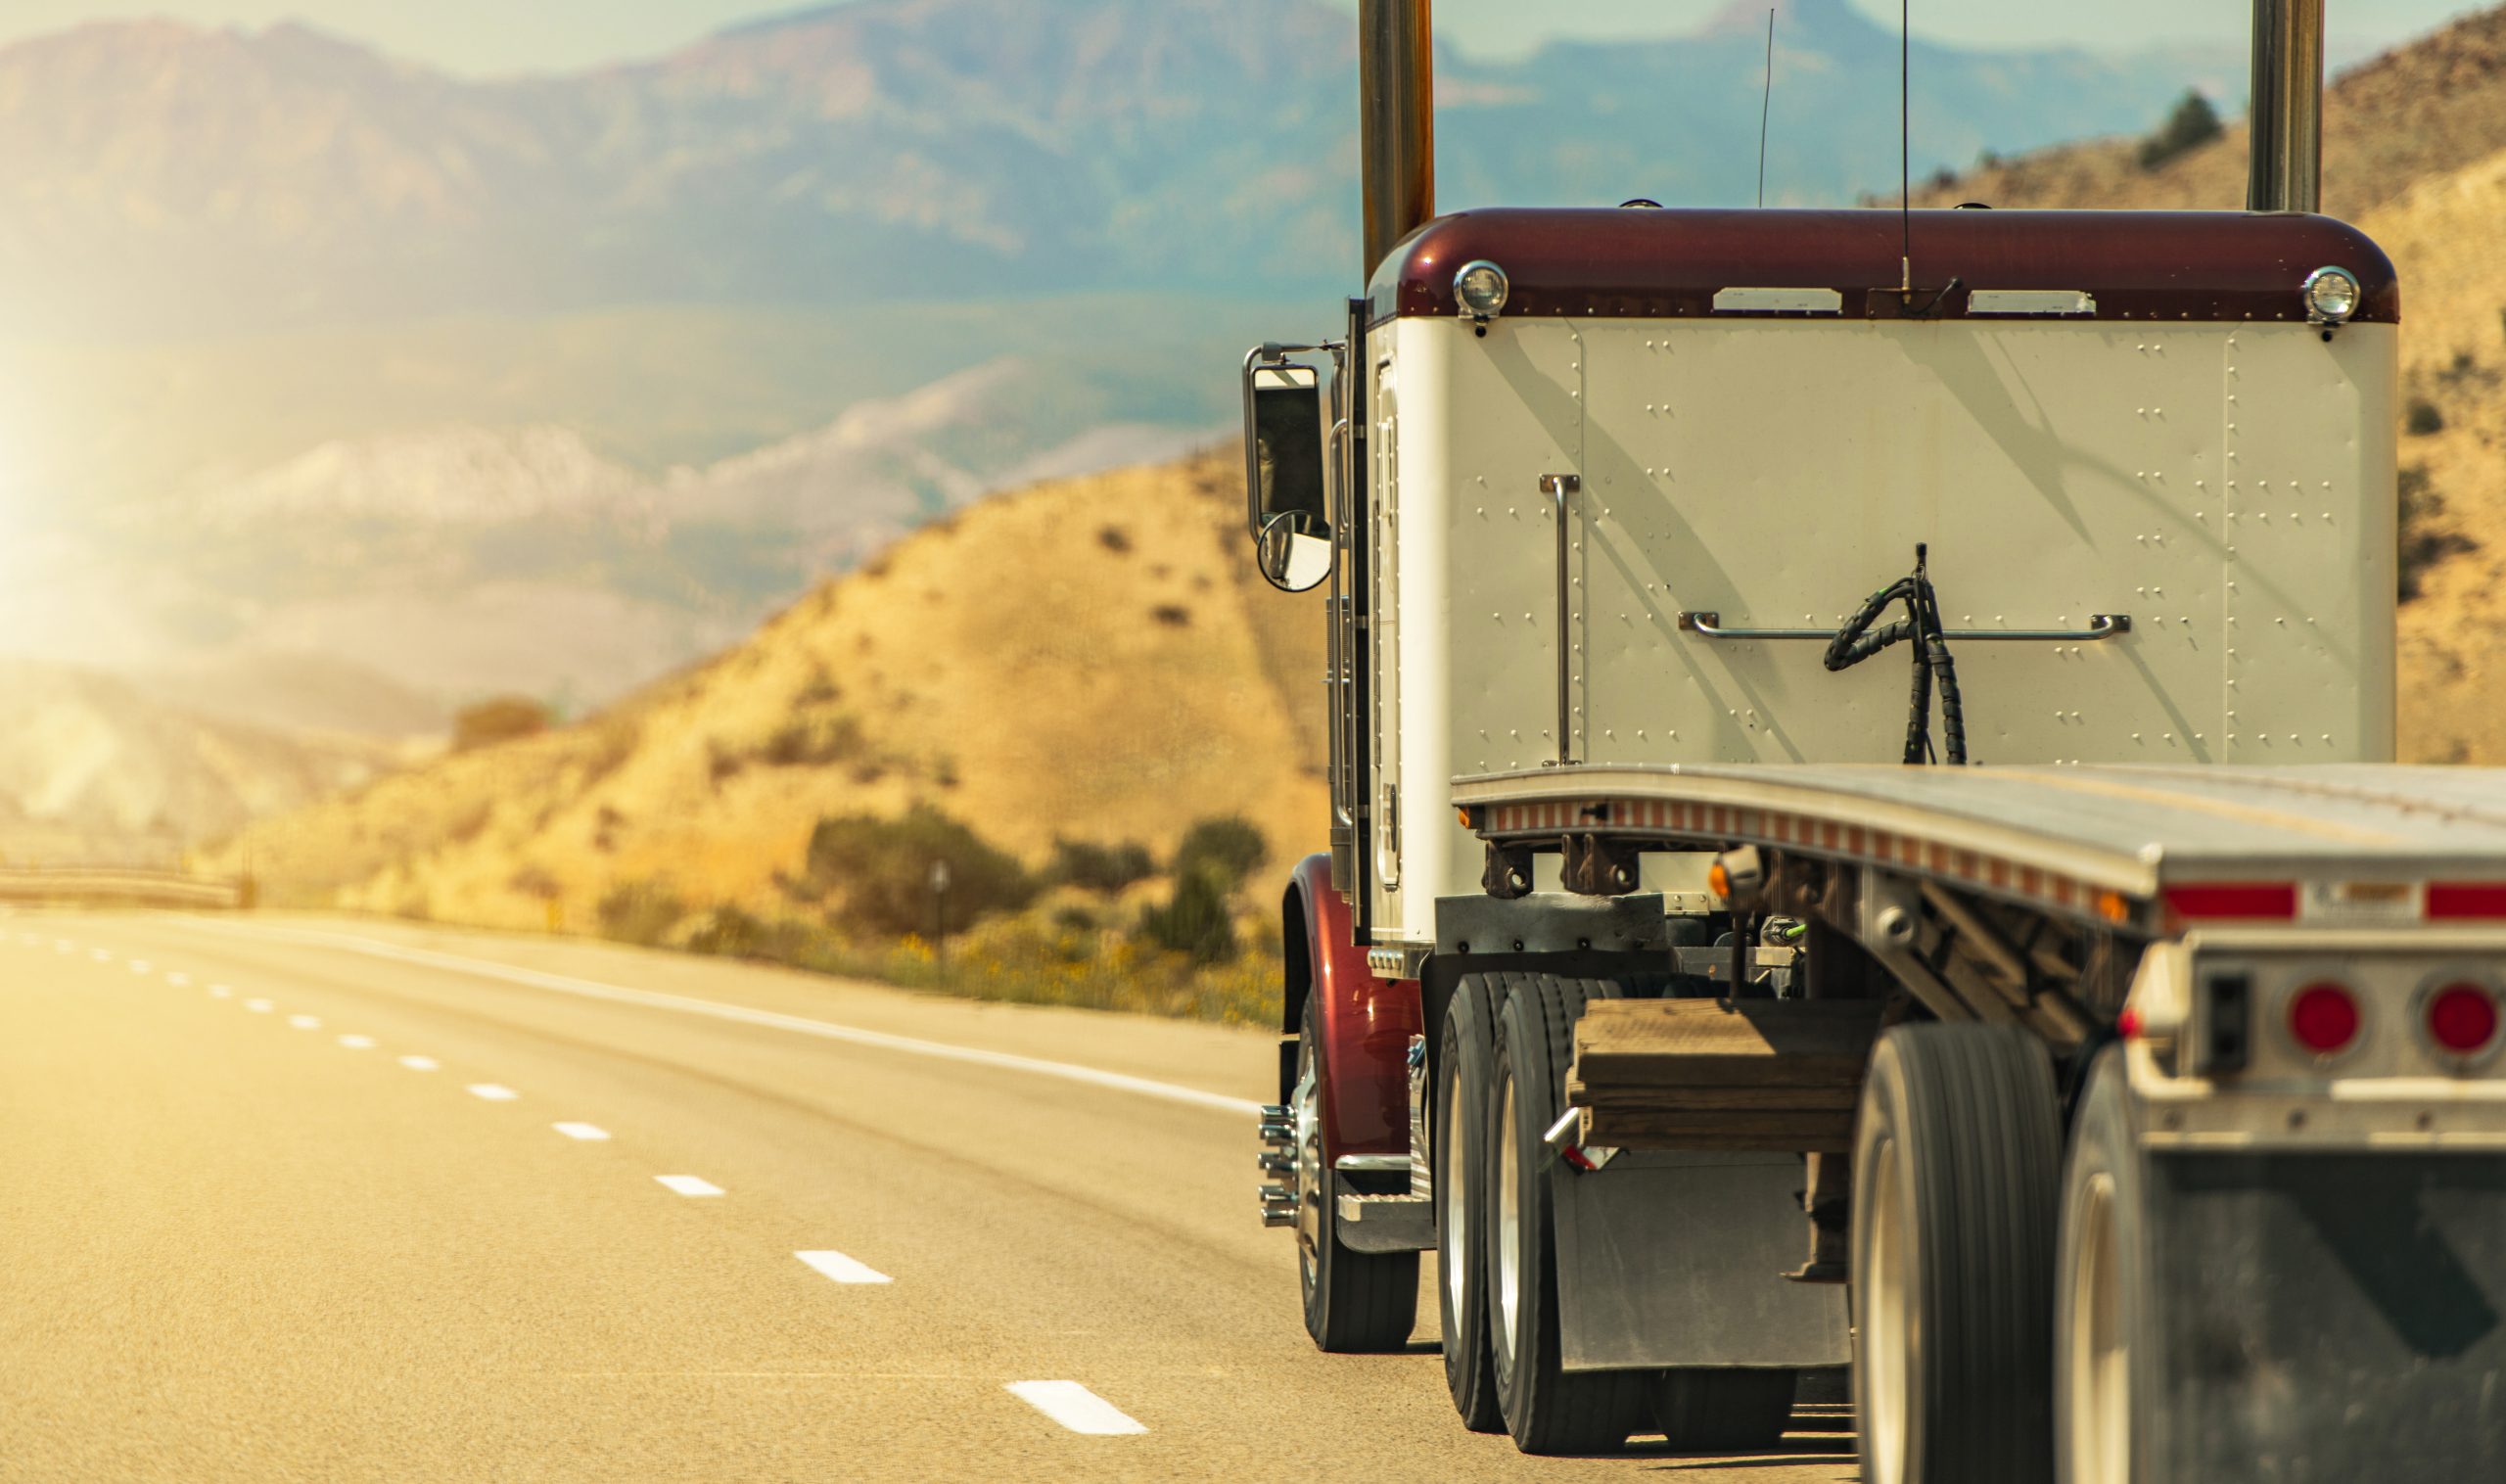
(2057, 836)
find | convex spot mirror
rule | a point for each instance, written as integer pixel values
(1286, 473)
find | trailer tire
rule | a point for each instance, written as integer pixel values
(1464, 1072)
(1956, 1169)
(1546, 1409)
(2099, 1280)
(1723, 1408)
(1355, 1303)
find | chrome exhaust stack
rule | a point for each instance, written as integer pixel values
(1397, 120)
(2284, 169)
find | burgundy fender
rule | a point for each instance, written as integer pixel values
(1365, 1023)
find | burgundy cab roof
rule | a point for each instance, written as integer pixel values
(1641, 261)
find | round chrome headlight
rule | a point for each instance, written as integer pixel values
(2332, 295)
(1480, 288)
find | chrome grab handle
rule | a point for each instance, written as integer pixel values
(1560, 488)
(2101, 625)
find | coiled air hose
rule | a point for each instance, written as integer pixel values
(1858, 641)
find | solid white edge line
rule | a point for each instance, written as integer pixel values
(689, 1004)
(492, 1092)
(689, 1184)
(1075, 1407)
(420, 1063)
(842, 1269)
(582, 1130)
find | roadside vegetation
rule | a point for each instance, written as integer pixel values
(1099, 926)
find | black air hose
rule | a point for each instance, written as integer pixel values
(1858, 641)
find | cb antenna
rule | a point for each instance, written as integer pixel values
(1766, 104)
(1905, 150)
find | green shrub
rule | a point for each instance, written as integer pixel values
(640, 911)
(880, 871)
(731, 933)
(2192, 125)
(1095, 868)
(1194, 921)
(1229, 848)
(2422, 543)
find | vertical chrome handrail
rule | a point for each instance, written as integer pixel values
(1560, 488)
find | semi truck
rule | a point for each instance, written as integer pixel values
(1865, 838)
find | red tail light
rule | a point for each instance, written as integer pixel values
(2462, 1018)
(2323, 1018)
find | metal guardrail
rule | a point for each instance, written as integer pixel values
(110, 885)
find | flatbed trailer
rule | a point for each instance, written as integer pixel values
(2266, 1002)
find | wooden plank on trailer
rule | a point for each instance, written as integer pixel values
(1707, 1043)
(1638, 1099)
(1728, 1133)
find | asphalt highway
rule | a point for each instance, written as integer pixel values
(296, 1198)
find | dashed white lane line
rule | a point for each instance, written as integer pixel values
(357, 1043)
(842, 1269)
(104, 955)
(179, 980)
(219, 991)
(582, 1130)
(591, 989)
(64, 946)
(259, 1006)
(1075, 1407)
(493, 1092)
(306, 1022)
(419, 1063)
(139, 965)
(689, 1184)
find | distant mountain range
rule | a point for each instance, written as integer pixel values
(157, 179)
(373, 583)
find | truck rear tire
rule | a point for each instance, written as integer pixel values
(2099, 1279)
(1546, 1409)
(1462, 1078)
(1724, 1410)
(1955, 1181)
(1355, 1303)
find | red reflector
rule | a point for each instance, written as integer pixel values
(2462, 1018)
(2233, 899)
(2323, 1018)
(2467, 899)
(2128, 1025)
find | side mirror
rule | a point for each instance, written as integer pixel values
(1287, 475)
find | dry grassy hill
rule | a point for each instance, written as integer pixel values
(2415, 154)
(1093, 659)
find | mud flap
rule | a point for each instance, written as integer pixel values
(2328, 1318)
(1673, 1259)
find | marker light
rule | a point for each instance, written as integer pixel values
(2323, 1018)
(1480, 288)
(2332, 295)
(2462, 1019)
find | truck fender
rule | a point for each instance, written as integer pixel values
(1365, 1023)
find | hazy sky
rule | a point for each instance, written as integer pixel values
(490, 36)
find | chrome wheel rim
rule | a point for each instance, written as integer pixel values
(1307, 1105)
(1891, 1335)
(1510, 1224)
(2096, 1368)
(1453, 1184)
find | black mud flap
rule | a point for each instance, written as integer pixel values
(2330, 1319)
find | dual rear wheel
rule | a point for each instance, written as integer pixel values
(1501, 1085)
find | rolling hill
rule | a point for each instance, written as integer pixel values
(1090, 658)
